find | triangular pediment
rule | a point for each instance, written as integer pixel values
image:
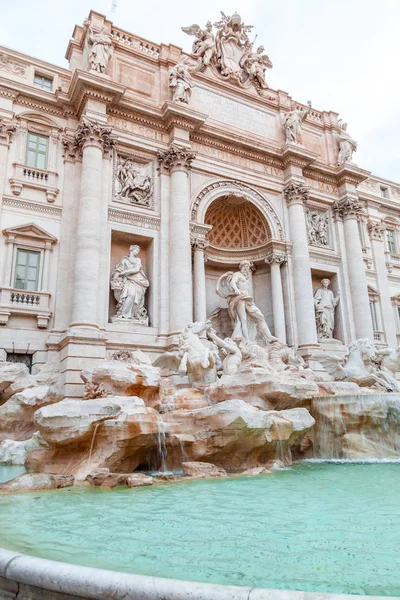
(372, 291)
(31, 231)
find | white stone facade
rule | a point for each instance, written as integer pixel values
(214, 182)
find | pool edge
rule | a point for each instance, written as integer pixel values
(88, 583)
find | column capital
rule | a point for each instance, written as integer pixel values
(376, 230)
(296, 193)
(7, 128)
(348, 208)
(277, 258)
(176, 157)
(72, 150)
(93, 133)
(199, 243)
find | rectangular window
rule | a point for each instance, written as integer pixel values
(27, 270)
(391, 240)
(384, 191)
(45, 83)
(372, 306)
(36, 154)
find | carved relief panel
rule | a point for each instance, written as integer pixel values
(318, 228)
(133, 181)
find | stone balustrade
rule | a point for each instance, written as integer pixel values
(39, 179)
(25, 302)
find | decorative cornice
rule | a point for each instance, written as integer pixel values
(133, 218)
(176, 157)
(348, 208)
(294, 154)
(296, 193)
(376, 231)
(32, 206)
(94, 133)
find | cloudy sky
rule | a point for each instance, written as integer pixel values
(341, 54)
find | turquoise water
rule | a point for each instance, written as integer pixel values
(314, 527)
(8, 472)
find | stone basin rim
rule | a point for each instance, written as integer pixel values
(89, 583)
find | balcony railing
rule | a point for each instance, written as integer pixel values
(38, 179)
(21, 302)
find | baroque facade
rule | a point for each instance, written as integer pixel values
(133, 181)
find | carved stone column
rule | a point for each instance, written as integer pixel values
(275, 260)
(349, 208)
(377, 235)
(296, 194)
(176, 160)
(199, 279)
(7, 128)
(93, 138)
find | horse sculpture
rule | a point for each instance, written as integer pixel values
(358, 366)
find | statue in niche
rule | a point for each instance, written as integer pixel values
(129, 284)
(135, 186)
(101, 49)
(255, 65)
(317, 228)
(325, 303)
(181, 83)
(203, 46)
(248, 320)
(346, 144)
(292, 123)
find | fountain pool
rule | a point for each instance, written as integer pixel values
(322, 527)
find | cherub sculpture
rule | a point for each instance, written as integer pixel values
(180, 81)
(203, 46)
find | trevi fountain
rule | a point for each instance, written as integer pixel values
(231, 462)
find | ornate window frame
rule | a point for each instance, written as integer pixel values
(33, 238)
(45, 180)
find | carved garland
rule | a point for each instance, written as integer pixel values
(247, 192)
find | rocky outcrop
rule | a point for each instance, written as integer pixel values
(356, 427)
(105, 479)
(124, 379)
(14, 377)
(16, 414)
(202, 470)
(14, 453)
(235, 435)
(30, 482)
(268, 391)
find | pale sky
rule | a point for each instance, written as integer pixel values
(341, 54)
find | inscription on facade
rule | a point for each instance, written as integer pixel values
(239, 161)
(140, 130)
(321, 186)
(234, 113)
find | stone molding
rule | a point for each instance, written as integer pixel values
(176, 157)
(376, 231)
(32, 206)
(93, 133)
(136, 219)
(278, 258)
(296, 193)
(16, 67)
(7, 128)
(348, 208)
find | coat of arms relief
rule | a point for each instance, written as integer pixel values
(229, 51)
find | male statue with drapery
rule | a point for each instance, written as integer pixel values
(248, 321)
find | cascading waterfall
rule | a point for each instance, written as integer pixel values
(357, 427)
(162, 452)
